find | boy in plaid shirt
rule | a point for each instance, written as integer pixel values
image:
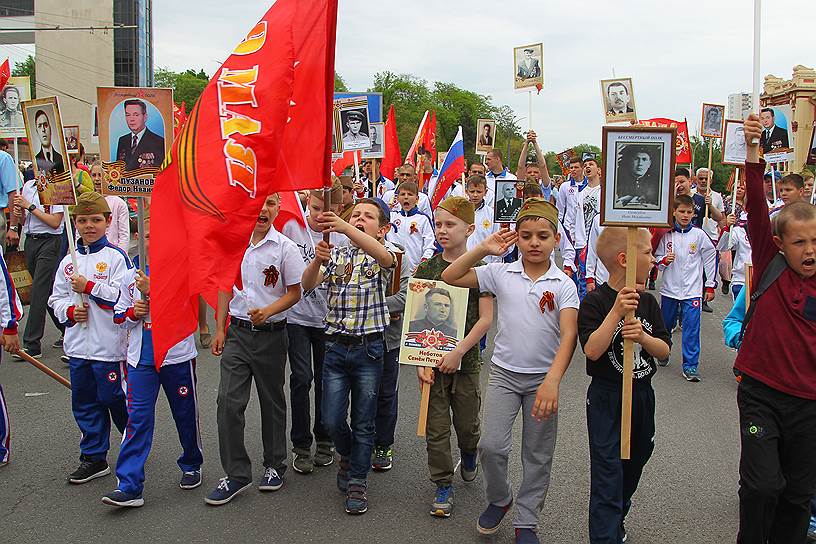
(356, 276)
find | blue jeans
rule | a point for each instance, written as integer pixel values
(96, 398)
(355, 370)
(691, 311)
(307, 347)
(579, 277)
(386, 422)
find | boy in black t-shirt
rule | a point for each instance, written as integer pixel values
(601, 331)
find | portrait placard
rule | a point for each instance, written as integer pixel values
(618, 100)
(434, 322)
(46, 143)
(16, 91)
(638, 166)
(376, 133)
(352, 116)
(564, 159)
(712, 120)
(71, 135)
(485, 136)
(440, 158)
(507, 204)
(777, 139)
(528, 64)
(135, 134)
(734, 148)
(16, 264)
(375, 104)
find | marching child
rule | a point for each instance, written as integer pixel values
(791, 188)
(536, 300)
(11, 310)
(602, 328)
(411, 228)
(777, 395)
(684, 254)
(307, 342)
(483, 225)
(358, 314)
(255, 346)
(455, 382)
(177, 376)
(96, 347)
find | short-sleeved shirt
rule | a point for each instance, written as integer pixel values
(432, 270)
(594, 309)
(33, 225)
(8, 177)
(356, 292)
(529, 327)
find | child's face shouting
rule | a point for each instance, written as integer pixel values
(798, 244)
(407, 200)
(366, 217)
(268, 213)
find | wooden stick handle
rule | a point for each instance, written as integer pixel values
(34, 362)
(628, 349)
(423, 408)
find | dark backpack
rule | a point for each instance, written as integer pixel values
(775, 268)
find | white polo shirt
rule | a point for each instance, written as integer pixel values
(527, 338)
(33, 225)
(267, 269)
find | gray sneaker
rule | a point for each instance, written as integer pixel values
(443, 502)
(324, 455)
(303, 463)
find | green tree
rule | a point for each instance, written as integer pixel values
(26, 68)
(187, 86)
(722, 172)
(339, 84)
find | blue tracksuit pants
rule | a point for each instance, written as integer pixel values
(691, 311)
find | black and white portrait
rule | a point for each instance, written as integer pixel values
(376, 134)
(71, 135)
(436, 314)
(12, 96)
(528, 64)
(734, 148)
(354, 124)
(713, 117)
(618, 100)
(46, 140)
(507, 203)
(637, 181)
(485, 136)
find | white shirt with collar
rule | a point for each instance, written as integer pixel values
(484, 227)
(570, 204)
(267, 270)
(33, 224)
(595, 269)
(521, 318)
(693, 253)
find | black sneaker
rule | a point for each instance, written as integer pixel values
(36, 355)
(324, 454)
(270, 481)
(190, 479)
(57, 344)
(356, 499)
(88, 470)
(225, 491)
(662, 362)
(725, 287)
(120, 498)
(691, 375)
(491, 518)
(383, 458)
(706, 308)
(65, 359)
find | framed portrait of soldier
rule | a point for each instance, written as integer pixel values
(618, 100)
(354, 123)
(434, 321)
(777, 138)
(376, 133)
(485, 136)
(733, 144)
(135, 135)
(638, 166)
(16, 91)
(712, 120)
(46, 143)
(507, 203)
(528, 64)
(71, 135)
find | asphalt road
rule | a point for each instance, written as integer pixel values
(688, 493)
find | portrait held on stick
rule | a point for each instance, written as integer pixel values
(71, 135)
(47, 145)
(777, 140)
(508, 203)
(733, 146)
(352, 116)
(16, 91)
(712, 121)
(376, 133)
(639, 168)
(618, 100)
(485, 136)
(528, 61)
(434, 321)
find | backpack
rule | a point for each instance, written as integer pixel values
(775, 268)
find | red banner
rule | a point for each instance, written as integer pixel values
(262, 125)
(393, 155)
(682, 146)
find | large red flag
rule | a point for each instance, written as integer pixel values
(262, 125)
(5, 73)
(289, 209)
(682, 145)
(393, 156)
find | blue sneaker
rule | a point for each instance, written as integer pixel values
(225, 491)
(120, 498)
(526, 536)
(691, 375)
(270, 481)
(811, 534)
(469, 467)
(491, 518)
(343, 475)
(356, 499)
(190, 479)
(443, 502)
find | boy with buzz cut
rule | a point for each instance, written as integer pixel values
(254, 347)
(536, 300)
(307, 342)
(777, 395)
(483, 225)
(602, 328)
(411, 228)
(176, 375)
(96, 347)
(455, 381)
(684, 254)
(357, 277)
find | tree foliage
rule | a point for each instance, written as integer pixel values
(187, 85)
(339, 83)
(722, 172)
(26, 68)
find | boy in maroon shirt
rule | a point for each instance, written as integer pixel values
(777, 395)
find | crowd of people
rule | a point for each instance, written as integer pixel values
(328, 295)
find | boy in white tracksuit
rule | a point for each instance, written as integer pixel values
(410, 228)
(94, 344)
(11, 310)
(683, 254)
(736, 240)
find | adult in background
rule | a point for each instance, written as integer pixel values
(9, 176)
(495, 171)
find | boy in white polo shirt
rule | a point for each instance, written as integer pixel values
(536, 300)
(255, 347)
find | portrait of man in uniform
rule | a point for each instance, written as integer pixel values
(637, 180)
(773, 136)
(140, 147)
(438, 309)
(355, 129)
(713, 116)
(508, 206)
(11, 115)
(527, 61)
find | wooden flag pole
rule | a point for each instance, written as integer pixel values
(356, 168)
(375, 176)
(40, 366)
(69, 231)
(423, 406)
(733, 204)
(773, 181)
(628, 348)
(529, 114)
(710, 175)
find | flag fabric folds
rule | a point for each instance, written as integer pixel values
(262, 125)
(5, 73)
(393, 156)
(451, 170)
